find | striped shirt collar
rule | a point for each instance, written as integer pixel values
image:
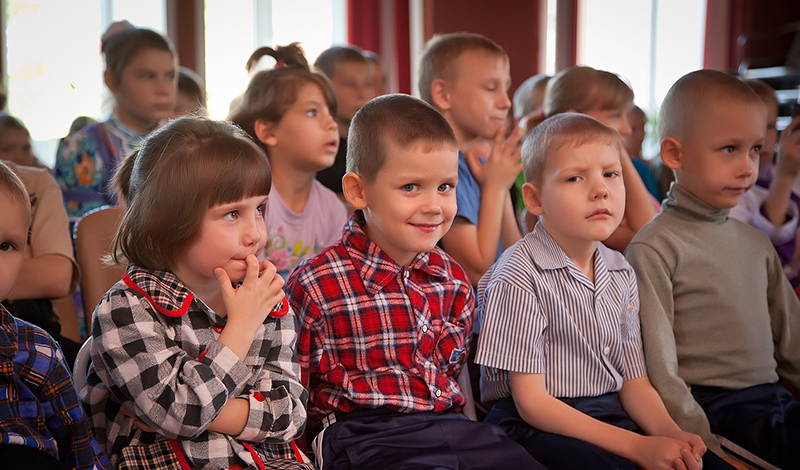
(374, 266)
(551, 256)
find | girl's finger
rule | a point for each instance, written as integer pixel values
(224, 281)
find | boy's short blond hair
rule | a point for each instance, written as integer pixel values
(583, 89)
(566, 129)
(694, 93)
(441, 53)
(11, 185)
(396, 119)
(765, 92)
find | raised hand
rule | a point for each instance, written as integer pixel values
(502, 166)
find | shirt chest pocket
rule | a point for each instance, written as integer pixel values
(449, 350)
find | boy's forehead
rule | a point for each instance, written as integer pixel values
(477, 60)
(419, 155)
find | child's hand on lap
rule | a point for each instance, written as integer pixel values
(664, 453)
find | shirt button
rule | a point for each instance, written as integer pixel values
(424, 328)
(606, 350)
(438, 393)
(218, 328)
(258, 396)
(406, 274)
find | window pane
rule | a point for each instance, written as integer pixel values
(51, 82)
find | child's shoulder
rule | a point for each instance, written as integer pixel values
(38, 349)
(450, 267)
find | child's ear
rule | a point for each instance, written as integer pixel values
(353, 187)
(672, 153)
(440, 95)
(530, 196)
(265, 132)
(110, 81)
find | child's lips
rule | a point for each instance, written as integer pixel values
(426, 228)
(600, 214)
(331, 146)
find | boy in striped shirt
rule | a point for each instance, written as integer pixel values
(561, 341)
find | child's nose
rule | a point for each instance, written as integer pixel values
(253, 232)
(625, 126)
(504, 100)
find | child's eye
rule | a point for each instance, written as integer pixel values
(409, 187)
(311, 113)
(729, 149)
(610, 174)
(232, 215)
(757, 148)
(261, 210)
(573, 179)
(445, 188)
(6, 246)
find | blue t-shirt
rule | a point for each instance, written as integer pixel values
(648, 177)
(468, 197)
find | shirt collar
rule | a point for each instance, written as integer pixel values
(374, 266)
(678, 198)
(165, 292)
(550, 256)
(124, 130)
(8, 333)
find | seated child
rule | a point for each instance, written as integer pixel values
(386, 316)
(288, 111)
(42, 424)
(466, 77)
(49, 270)
(351, 77)
(633, 145)
(720, 321)
(560, 343)
(193, 357)
(771, 205)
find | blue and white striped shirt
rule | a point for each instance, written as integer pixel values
(542, 315)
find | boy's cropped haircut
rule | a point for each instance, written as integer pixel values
(397, 119)
(123, 46)
(691, 94)
(441, 53)
(764, 91)
(554, 133)
(11, 185)
(583, 89)
(180, 171)
(332, 57)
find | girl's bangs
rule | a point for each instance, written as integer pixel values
(240, 171)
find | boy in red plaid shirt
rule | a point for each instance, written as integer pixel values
(386, 316)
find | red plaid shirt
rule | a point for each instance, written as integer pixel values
(374, 334)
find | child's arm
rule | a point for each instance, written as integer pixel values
(776, 205)
(49, 271)
(639, 207)
(642, 403)
(784, 311)
(474, 245)
(539, 409)
(64, 416)
(657, 313)
(276, 406)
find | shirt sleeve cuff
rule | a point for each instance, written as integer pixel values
(226, 366)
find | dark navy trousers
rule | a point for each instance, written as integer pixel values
(764, 419)
(383, 440)
(559, 452)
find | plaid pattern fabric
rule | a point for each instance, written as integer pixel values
(156, 456)
(376, 335)
(39, 407)
(156, 354)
